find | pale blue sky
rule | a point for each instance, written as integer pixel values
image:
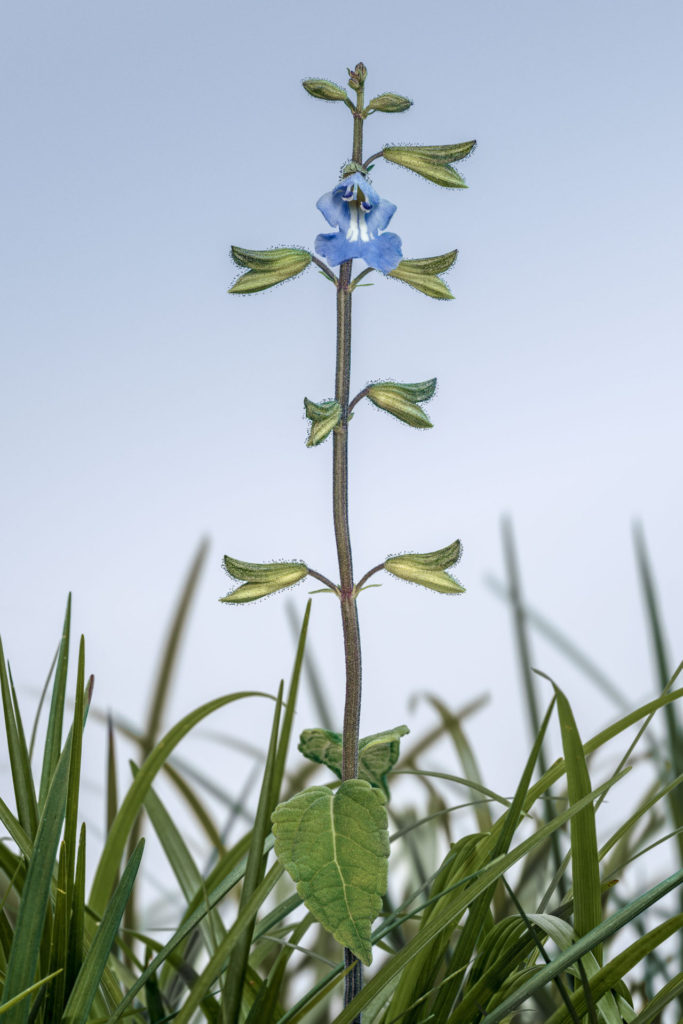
(142, 407)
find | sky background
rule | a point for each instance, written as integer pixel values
(144, 408)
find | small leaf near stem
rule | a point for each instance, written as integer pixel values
(328, 583)
(371, 572)
(326, 270)
(359, 277)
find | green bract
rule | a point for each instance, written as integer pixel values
(432, 162)
(322, 89)
(401, 400)
(389, 103)
(261, 578)
(267, 267)
(335, 846)
(324, 417)
(377, 754)
(423, 274)
(429, 569)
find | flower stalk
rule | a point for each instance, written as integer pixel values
(340, 503)
(316, 830)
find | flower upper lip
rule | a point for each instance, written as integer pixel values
(355, 208)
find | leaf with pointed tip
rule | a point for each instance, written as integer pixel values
(335, 846)
(377, 754)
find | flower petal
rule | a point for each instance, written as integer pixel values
(334, 209)
(382, 253)
(336, 248)
(379, 216)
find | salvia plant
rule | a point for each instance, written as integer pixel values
(532, 915)
(335, 843)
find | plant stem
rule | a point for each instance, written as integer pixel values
(340, 502)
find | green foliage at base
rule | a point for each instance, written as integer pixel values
(528, 904)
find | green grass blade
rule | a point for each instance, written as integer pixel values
(583, 834)
(22, 779)
(112, 787)
(586, 943)
(184, 868)
(256, 862)
(466, 754)
(6, 1007)
(73, 789)
(316, 684)
(53, 738)
(43, 694)
(77, 921)
(290, 708)
(559, 640)
(193, 919)
(127, 813)
(223, 954)
(54, 1001)
(605, 979)
(480, 908)
(90, 974)
(161, 689)
(651, 1014)
(13, 826)
(23, 961)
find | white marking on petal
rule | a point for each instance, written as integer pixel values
(352, 230)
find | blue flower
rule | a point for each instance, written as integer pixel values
(361, 216)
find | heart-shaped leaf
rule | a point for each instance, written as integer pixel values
(335, 846)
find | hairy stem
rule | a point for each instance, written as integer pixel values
(340, 502)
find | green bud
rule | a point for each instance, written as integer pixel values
(401, 400)
(428, 570)
(389, 103)
(353, 167)
(357, 76)
(261, 579)
(423, 274)
(324, 90)
(324, 417)
(267, 267)
(432, 162)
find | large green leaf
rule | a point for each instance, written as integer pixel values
(335, 846)
(377, 754)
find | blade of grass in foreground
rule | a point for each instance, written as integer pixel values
(23, 959)
(109, 862)
(53, 737)
(22, 779)
(90, 974)
(587, 942)
(582, 831)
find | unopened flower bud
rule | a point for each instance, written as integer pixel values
(324, 417)
(401, 400)
(390, 103)
(357, 76)
(428, 570)
(267, 267)
(324, 90)
(261, 579)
